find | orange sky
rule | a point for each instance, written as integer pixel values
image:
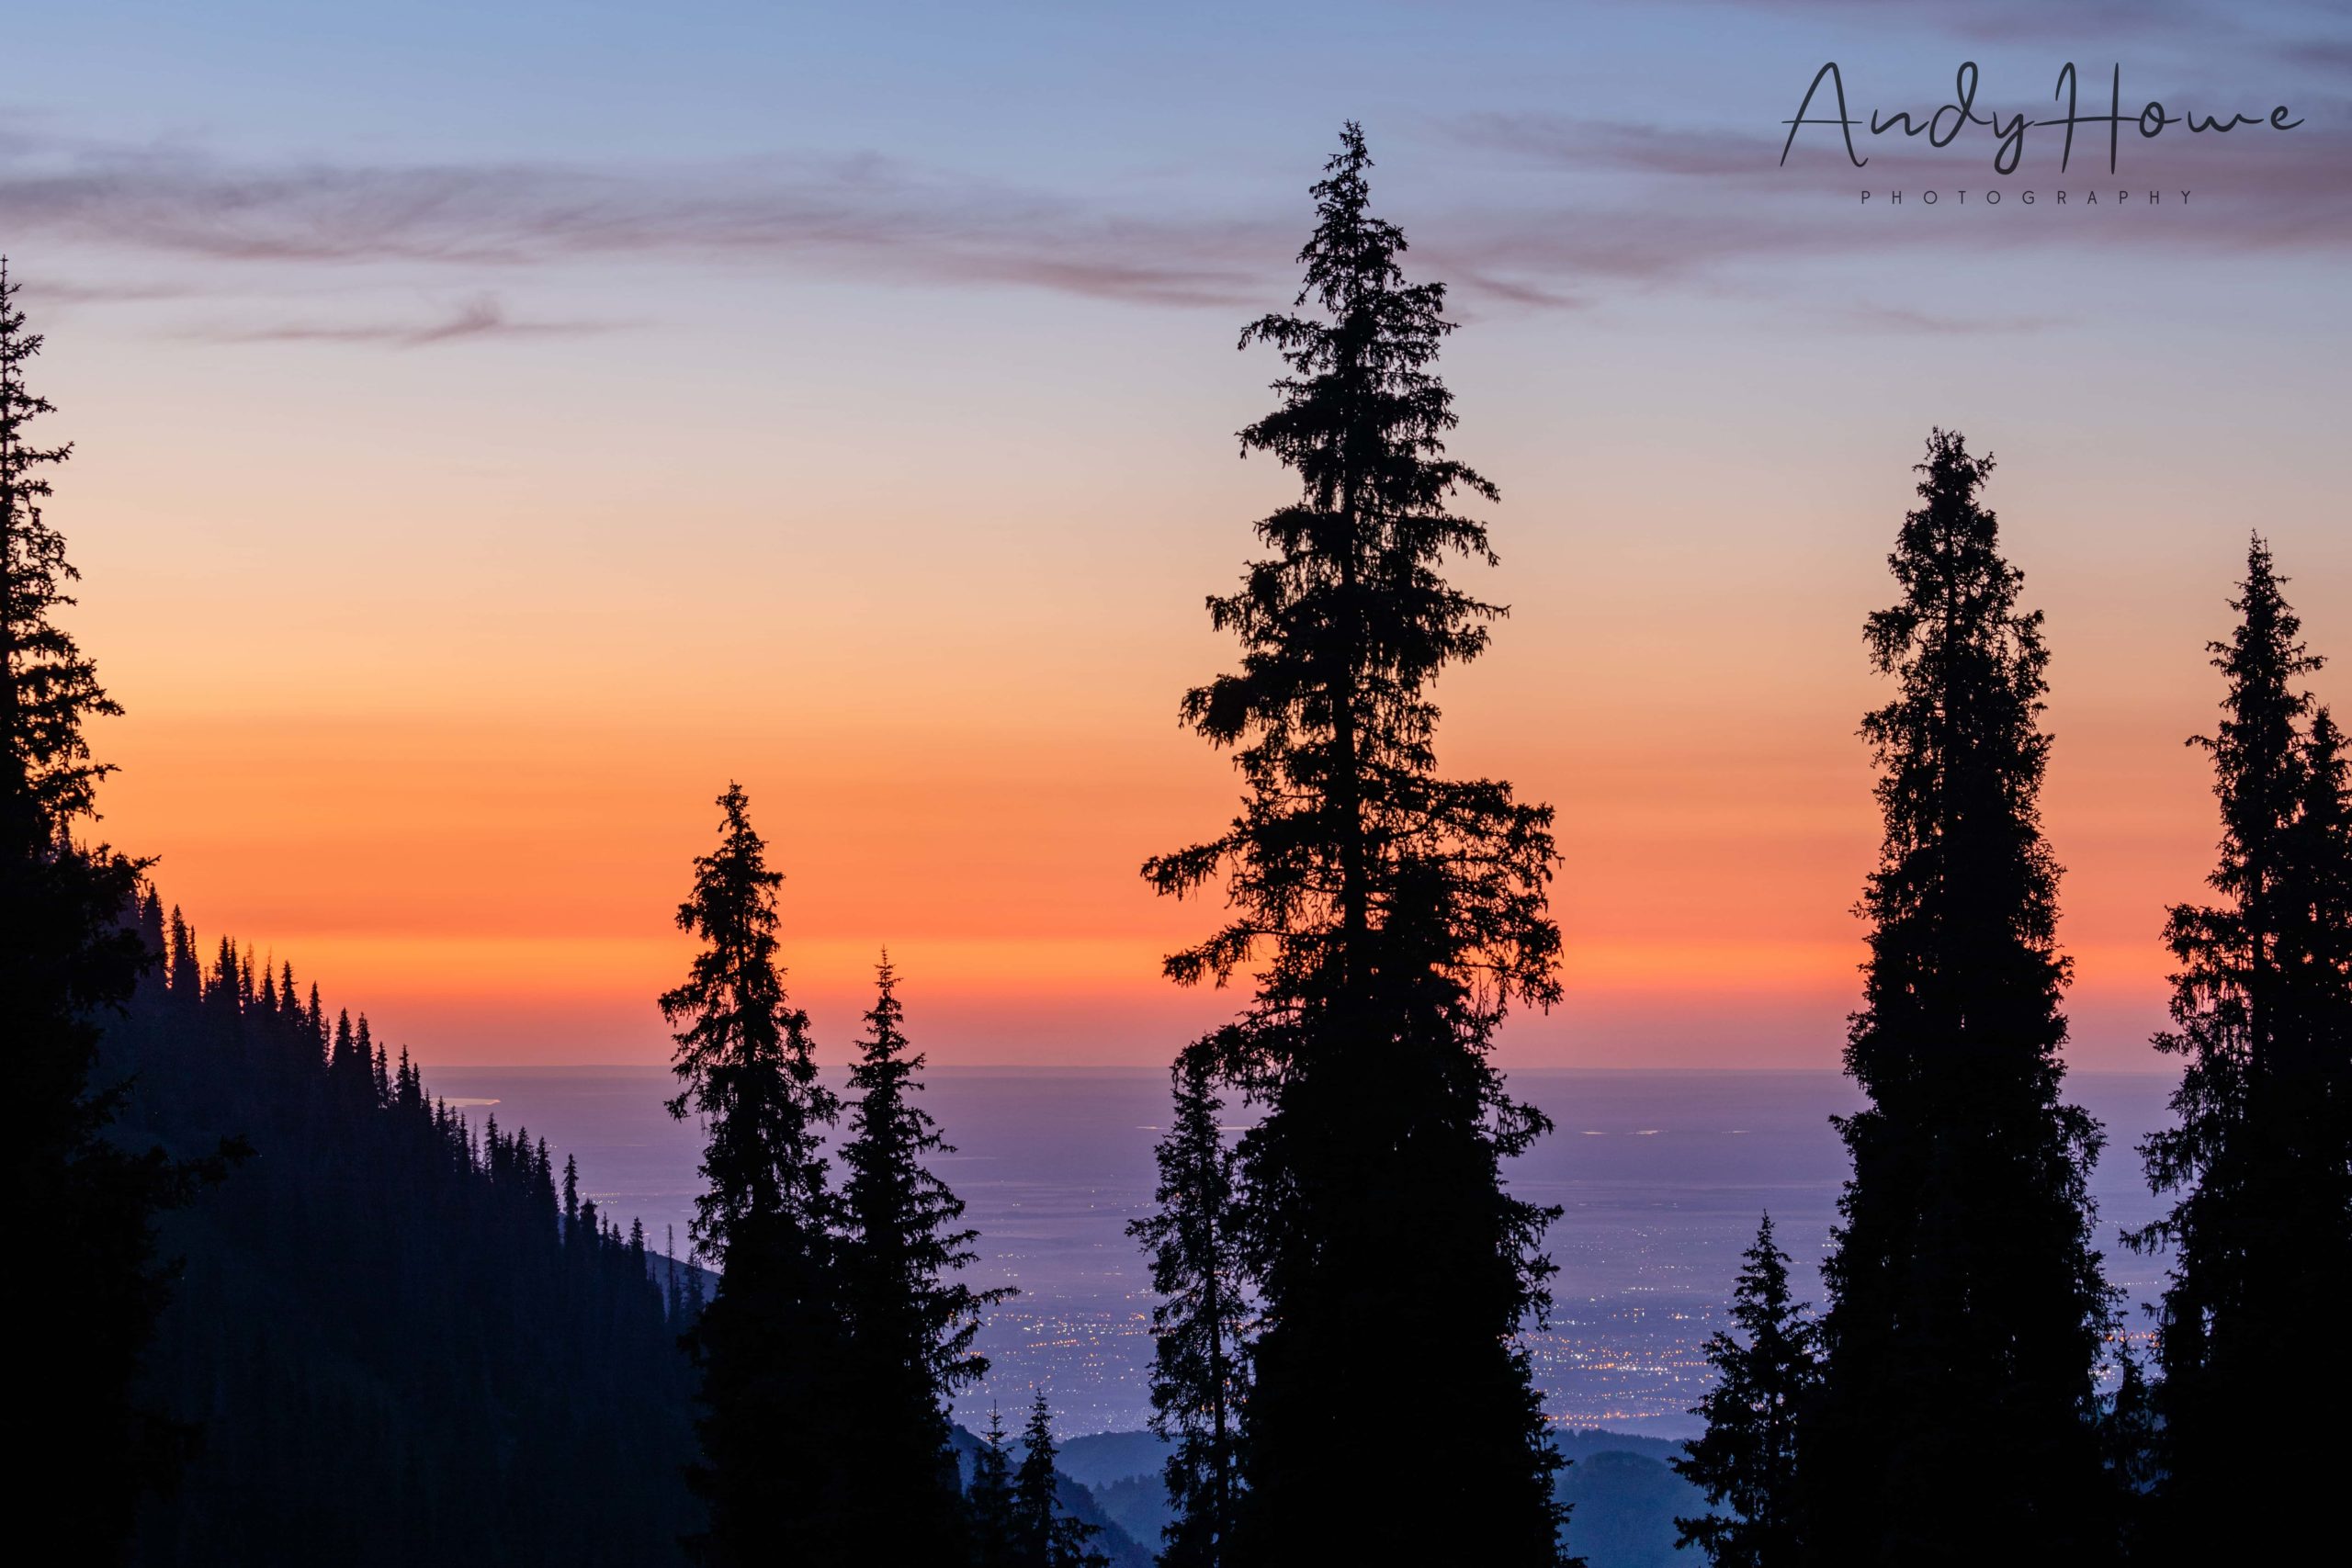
(456, 768)
(482, 458)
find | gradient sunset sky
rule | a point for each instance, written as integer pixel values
(498, 426)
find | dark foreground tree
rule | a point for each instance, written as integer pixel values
(2261, 1159)
(70, 953)
(911, 1321)
(1391, 915)
(1047, 1535)
(1197, 1383)
(1966, 1312)
(1746, 1461)
(771, 1343)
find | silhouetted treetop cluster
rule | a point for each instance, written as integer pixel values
(840, 1331)
(2259, 1164)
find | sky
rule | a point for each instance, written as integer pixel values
(497, 428)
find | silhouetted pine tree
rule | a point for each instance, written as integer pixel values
(911, 1321)
(1966, 1304)
(771, 1342)
(1746, 1461)
(995, 1533)
(1197, 1380)
(70, 950)
(1047, 1535)
(2131, 1445)
(1393, 915)
(2261, 1160)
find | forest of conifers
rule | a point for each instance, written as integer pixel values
(283, 1306)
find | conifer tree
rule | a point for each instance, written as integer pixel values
(1197, 1381)
(995, 1534)
(71, 952)
(2132, 1447)
(2260, 1160)
(185, 973)
(771, 1344)
(911, 1321)
(1048, 1535)
(1967, 1307)
(1391, 915)
(1745, 1463)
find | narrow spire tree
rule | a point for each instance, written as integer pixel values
(911, 1321)
(1746, 1461)
(769, 1344)
(69, 950)
(1048, 1535)
(2261, 1158)
(1967, 1307)
(1391, 915)
(995, 1535)
(1199, 1322)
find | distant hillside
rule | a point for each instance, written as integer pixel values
(1625, 1506)
(388, 1343)
(1578, 1442)
(1101, 1458)
(1625, 1498)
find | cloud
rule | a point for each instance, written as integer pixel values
(1708, 201)
(61, 291)
(1632, 204)
(2016, 21)
(1567, 142)
(1896, 318)
(859, 217)
(482, 317)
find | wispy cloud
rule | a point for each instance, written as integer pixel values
(864, 217)
(53, 290)
(482, 317)
(1677, 206)
(2014, 21)
(1572, 143)
(1902, 318)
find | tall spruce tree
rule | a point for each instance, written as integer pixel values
(1746, 1462)
(1199, 1324)
(70, 953)
(995, 1533)
(1049, 1534)
(911, 1321)
(1967, 1308)
(771, 1343)
(1391, 915)
(2260, 1160)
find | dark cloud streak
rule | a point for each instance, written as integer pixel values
(483, 317)
(856, 217)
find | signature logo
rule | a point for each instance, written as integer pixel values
(1944, 127)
